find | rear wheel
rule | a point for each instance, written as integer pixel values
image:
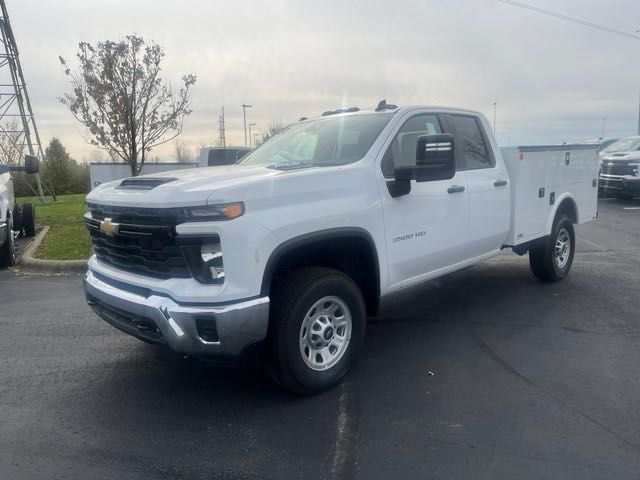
(8, 248)
(551, 258)
(316, 328)
(29, 219)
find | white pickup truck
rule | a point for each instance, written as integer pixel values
(14, 219)
(293, 247)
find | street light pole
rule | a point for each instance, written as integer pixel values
(250, 137)
(495, 107)
(244, 115)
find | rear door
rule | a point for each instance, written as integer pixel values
(488, 189)
(425, 230)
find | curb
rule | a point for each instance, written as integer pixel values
(28, 261)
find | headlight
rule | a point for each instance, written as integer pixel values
(207, 213)
(636, 168)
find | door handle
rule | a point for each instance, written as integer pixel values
(455, 189)
(500, 183)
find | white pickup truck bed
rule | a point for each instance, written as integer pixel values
(541, 176)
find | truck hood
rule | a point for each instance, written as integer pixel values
(177, 188)
(621, 156)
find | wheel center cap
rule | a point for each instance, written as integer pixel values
(328, 333)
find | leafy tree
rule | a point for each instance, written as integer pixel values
(57, 168)
(118, 94)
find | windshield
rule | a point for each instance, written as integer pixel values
(327, 141)
(623, 145)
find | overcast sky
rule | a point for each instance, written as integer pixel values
(552, 80)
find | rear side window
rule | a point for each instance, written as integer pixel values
(470, 142)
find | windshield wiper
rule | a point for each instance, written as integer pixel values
(292, 165)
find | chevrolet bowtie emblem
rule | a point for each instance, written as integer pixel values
(109, 228)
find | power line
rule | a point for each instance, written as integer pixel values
(571, 19)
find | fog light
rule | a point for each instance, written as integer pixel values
(204, 259)
(211, 255)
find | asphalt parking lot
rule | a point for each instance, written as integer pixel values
(486, 373)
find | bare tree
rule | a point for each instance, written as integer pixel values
(118, 94)
(11, 143)
(183, 153)
(275, 128)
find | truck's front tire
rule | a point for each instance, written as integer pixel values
(551, 258)
(316, 328)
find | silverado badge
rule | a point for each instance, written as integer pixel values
(109, 228)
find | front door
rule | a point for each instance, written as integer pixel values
(426, 229)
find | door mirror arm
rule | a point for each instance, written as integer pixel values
(398, 188)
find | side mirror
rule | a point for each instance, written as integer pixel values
(31, 164)
(435, 158)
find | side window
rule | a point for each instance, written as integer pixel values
(471, 146)
(402, 151)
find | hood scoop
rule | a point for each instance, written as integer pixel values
(144, 183)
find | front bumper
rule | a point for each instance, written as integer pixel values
(230, 328)
(619, 184)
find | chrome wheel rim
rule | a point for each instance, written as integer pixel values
(562, 248)
(325, 333)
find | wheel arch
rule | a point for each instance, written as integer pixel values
(565, 204)
(351, 250)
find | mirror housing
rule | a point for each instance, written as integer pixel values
(435, 158)
(31, 164)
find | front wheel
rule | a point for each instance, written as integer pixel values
(316, 328)
(551, 258)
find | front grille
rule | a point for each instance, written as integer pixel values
(618, 168)
(144, 242)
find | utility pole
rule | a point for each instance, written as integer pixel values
(250, 137)
(244, 115)
(222, 141)
(495, 108)
(18, 97)
(255, 138)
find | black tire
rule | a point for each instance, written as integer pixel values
(29, 219)
(544, 262)
(291, 301)
(17, 218)
(8, 248)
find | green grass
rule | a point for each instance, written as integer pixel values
(67, 238)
